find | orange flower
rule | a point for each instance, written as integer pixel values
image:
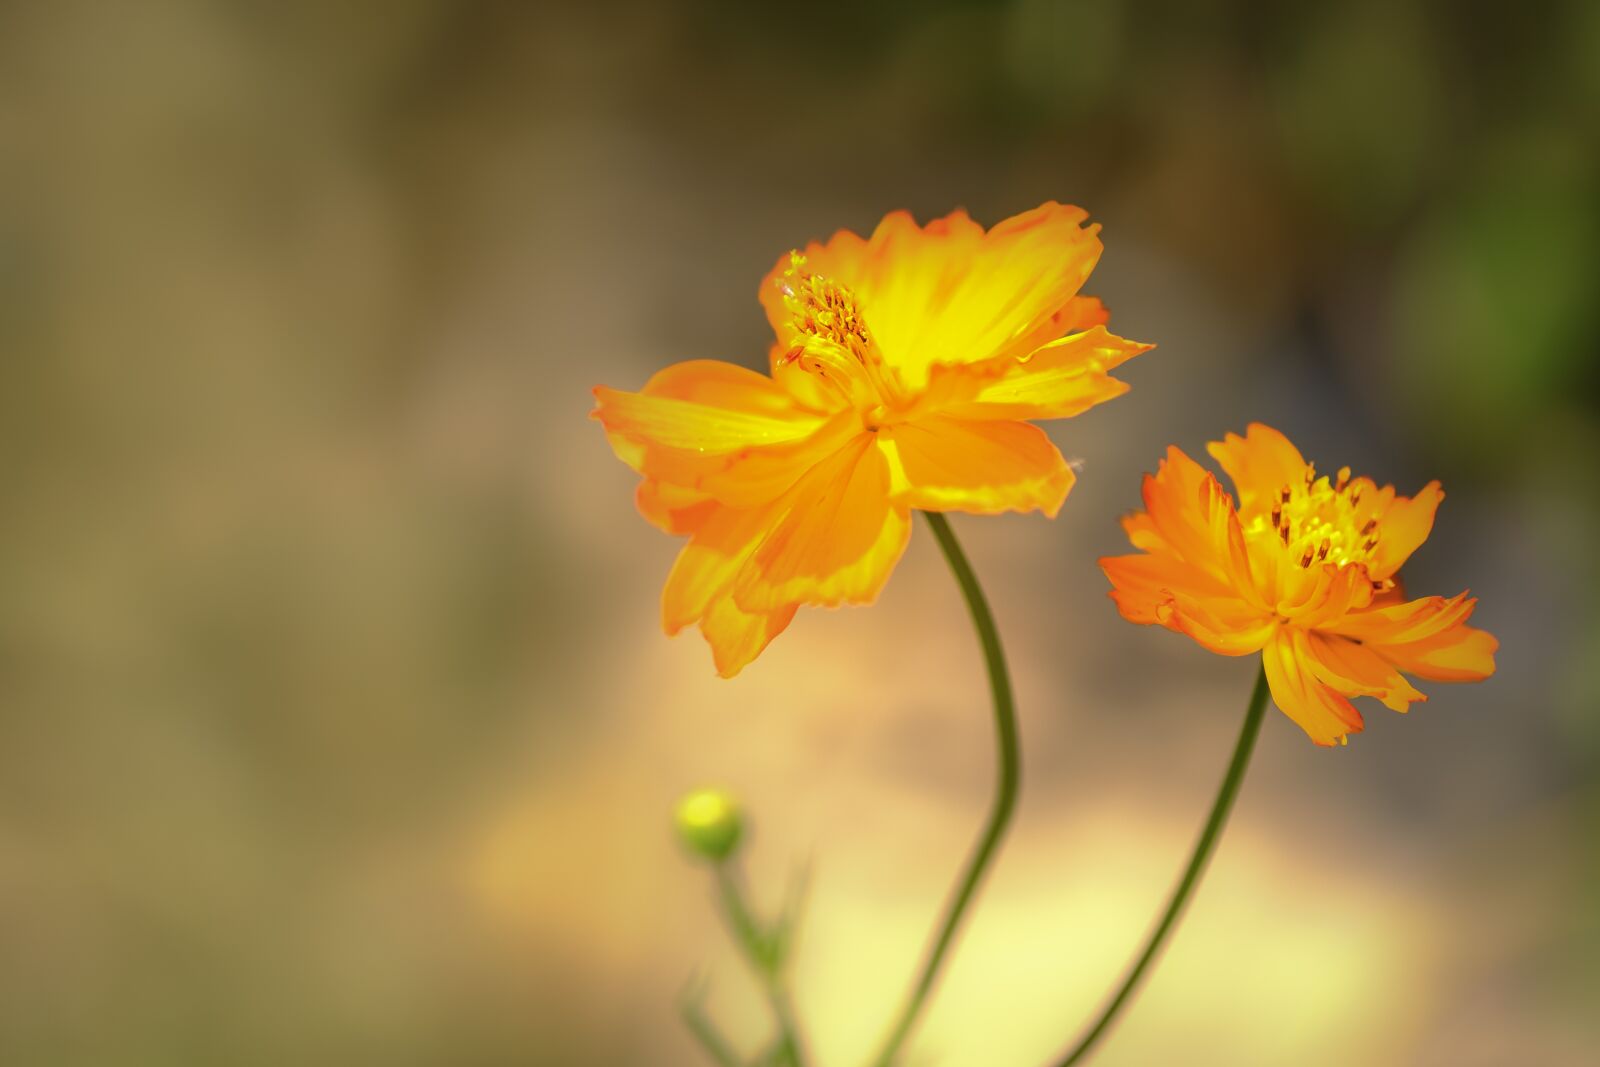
(1304, 571)
(905, 369)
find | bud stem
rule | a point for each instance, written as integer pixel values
(764, 952)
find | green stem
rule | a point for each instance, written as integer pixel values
(765, 954)
(714, 1044)
(1191, 874)
(1005, 798)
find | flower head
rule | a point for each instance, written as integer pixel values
(709, 823)
(905, 369)
(1304, 570)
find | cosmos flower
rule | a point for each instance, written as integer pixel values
(1305, 570)
(904, 372)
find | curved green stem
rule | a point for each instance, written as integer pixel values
(765, 952)
(1191, 874)
(1006, 786)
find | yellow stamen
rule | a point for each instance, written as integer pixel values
(829, 338)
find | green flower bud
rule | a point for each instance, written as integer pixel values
(709, 822)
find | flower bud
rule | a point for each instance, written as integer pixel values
(709, 822)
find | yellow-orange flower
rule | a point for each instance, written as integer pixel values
(905, 369)
(1305, 571)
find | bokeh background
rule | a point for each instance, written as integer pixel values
(335, 722)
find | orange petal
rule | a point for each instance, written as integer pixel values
(1077, 315)
(738, 637)
(836, 541)
(720, 430)
(949, 292)
(706, 566)
(1429, 638)
(721, 385)
(1403, 527)
(1195, 519)
(1325, 716)
(1411, 620)
(1260, 463)
(1353, 669)
(945, 464)
(1226, 627)
(1318, 595)
(1465, 654)
(673, 508)
(1055, 381)
(1141, 584)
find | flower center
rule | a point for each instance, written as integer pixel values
(828, 338)
(1318, 521)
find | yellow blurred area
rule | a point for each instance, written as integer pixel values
(337, 723)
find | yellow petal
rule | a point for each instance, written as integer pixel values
(949, 292)
(945, 464)
(1056, 381)
(836, 541)
(1077, 315)
(1325, 716)
(1260, 463)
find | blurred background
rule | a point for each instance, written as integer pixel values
(336, 726)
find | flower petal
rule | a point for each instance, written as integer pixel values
(1410, 620)
(1429, 638)
(1077, 315)
(1194, 518)
(945, 464)
(1353, 669)
(1325, 716)
(1260, 463)
(737, 637)
(1316, 595)
(706, 566)
(836, 541)
(949, 292)
(1141, 584)
(673, 508)
(1465, 654)
(1226, 627)
(718, 429)
(1403, 527)
(1055, 381)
